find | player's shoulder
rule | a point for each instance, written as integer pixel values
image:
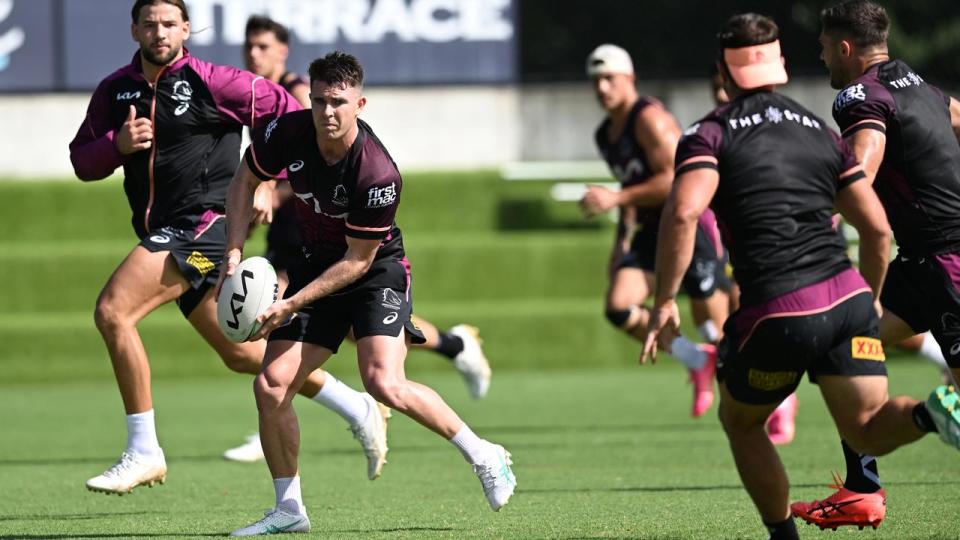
(289, 126)
(375, 164)
(868, 87)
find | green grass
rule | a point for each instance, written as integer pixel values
(603, 448)
(599, 454)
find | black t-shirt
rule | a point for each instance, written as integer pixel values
(919, 179)
(357, 196)
(780, 169)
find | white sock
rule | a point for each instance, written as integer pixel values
(142, 434)
(289, 498)
(708, 331)
(688, 353)
(343, 400)
(473, 448)
(930, 350)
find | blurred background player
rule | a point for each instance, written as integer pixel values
(774, 173)
(180, 116)
(265, 53)
(638, 140)
(905, 132)
(353, 274)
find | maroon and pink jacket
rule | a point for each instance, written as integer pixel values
(198, 110)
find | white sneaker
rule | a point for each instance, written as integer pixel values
(496, 477)
(248, 452)
(471, 363)
(372, 434)
(276, 521)
(130, 471)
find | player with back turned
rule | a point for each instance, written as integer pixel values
(774, 172)
(905, 132)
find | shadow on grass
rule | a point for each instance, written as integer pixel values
(110, 535)
(71, 517)
(601, 428)
(396, 530)
(679, 489)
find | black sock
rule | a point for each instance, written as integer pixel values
(862, 473)
(450, 345)
(785, 530)
(921, 418)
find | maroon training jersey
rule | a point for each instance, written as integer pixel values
(627, 160)
(357, 196)
(919, 179)
(780, 169)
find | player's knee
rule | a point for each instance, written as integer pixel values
(736, 423)
(106, 317)
(618, 317)
(388, 391)
(242, 361)
(269, 395)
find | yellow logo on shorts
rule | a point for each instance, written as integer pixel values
(200, 262)
(770, 380)
(867, 348)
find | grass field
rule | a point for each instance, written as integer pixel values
(603, 448)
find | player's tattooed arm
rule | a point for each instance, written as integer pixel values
(868, 146)
(955, 117)
(657, 133)
(859, 205)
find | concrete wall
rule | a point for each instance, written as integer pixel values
(423, 127)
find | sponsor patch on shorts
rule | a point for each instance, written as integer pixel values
(771, 380)
(867, 348)
(200, 262)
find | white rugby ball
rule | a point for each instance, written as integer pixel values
(244, 296)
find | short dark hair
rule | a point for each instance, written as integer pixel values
(140, 4)
(337, 67)
(866, 23)
(261, 23)
(746, 30)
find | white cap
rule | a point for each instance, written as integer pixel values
(607, 59)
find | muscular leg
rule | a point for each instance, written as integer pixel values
(143, 282)
(757, 461)
(286, 366)
(629, 288)
(381, 361)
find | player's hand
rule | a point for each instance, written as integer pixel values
(878, 308)
(278, 313)
(135, 134)
(263, 204)
(231, 259)
(598, 200)
(663, 328)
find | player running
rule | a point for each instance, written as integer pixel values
(266, 48)
(173, 123)
(638, 139)
(774, 172)
(353, 274)
(904, 131)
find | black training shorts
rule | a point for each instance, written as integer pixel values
(707, 270)
(380, 304)
(198, 254)
(766, 349)
(925, 293)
